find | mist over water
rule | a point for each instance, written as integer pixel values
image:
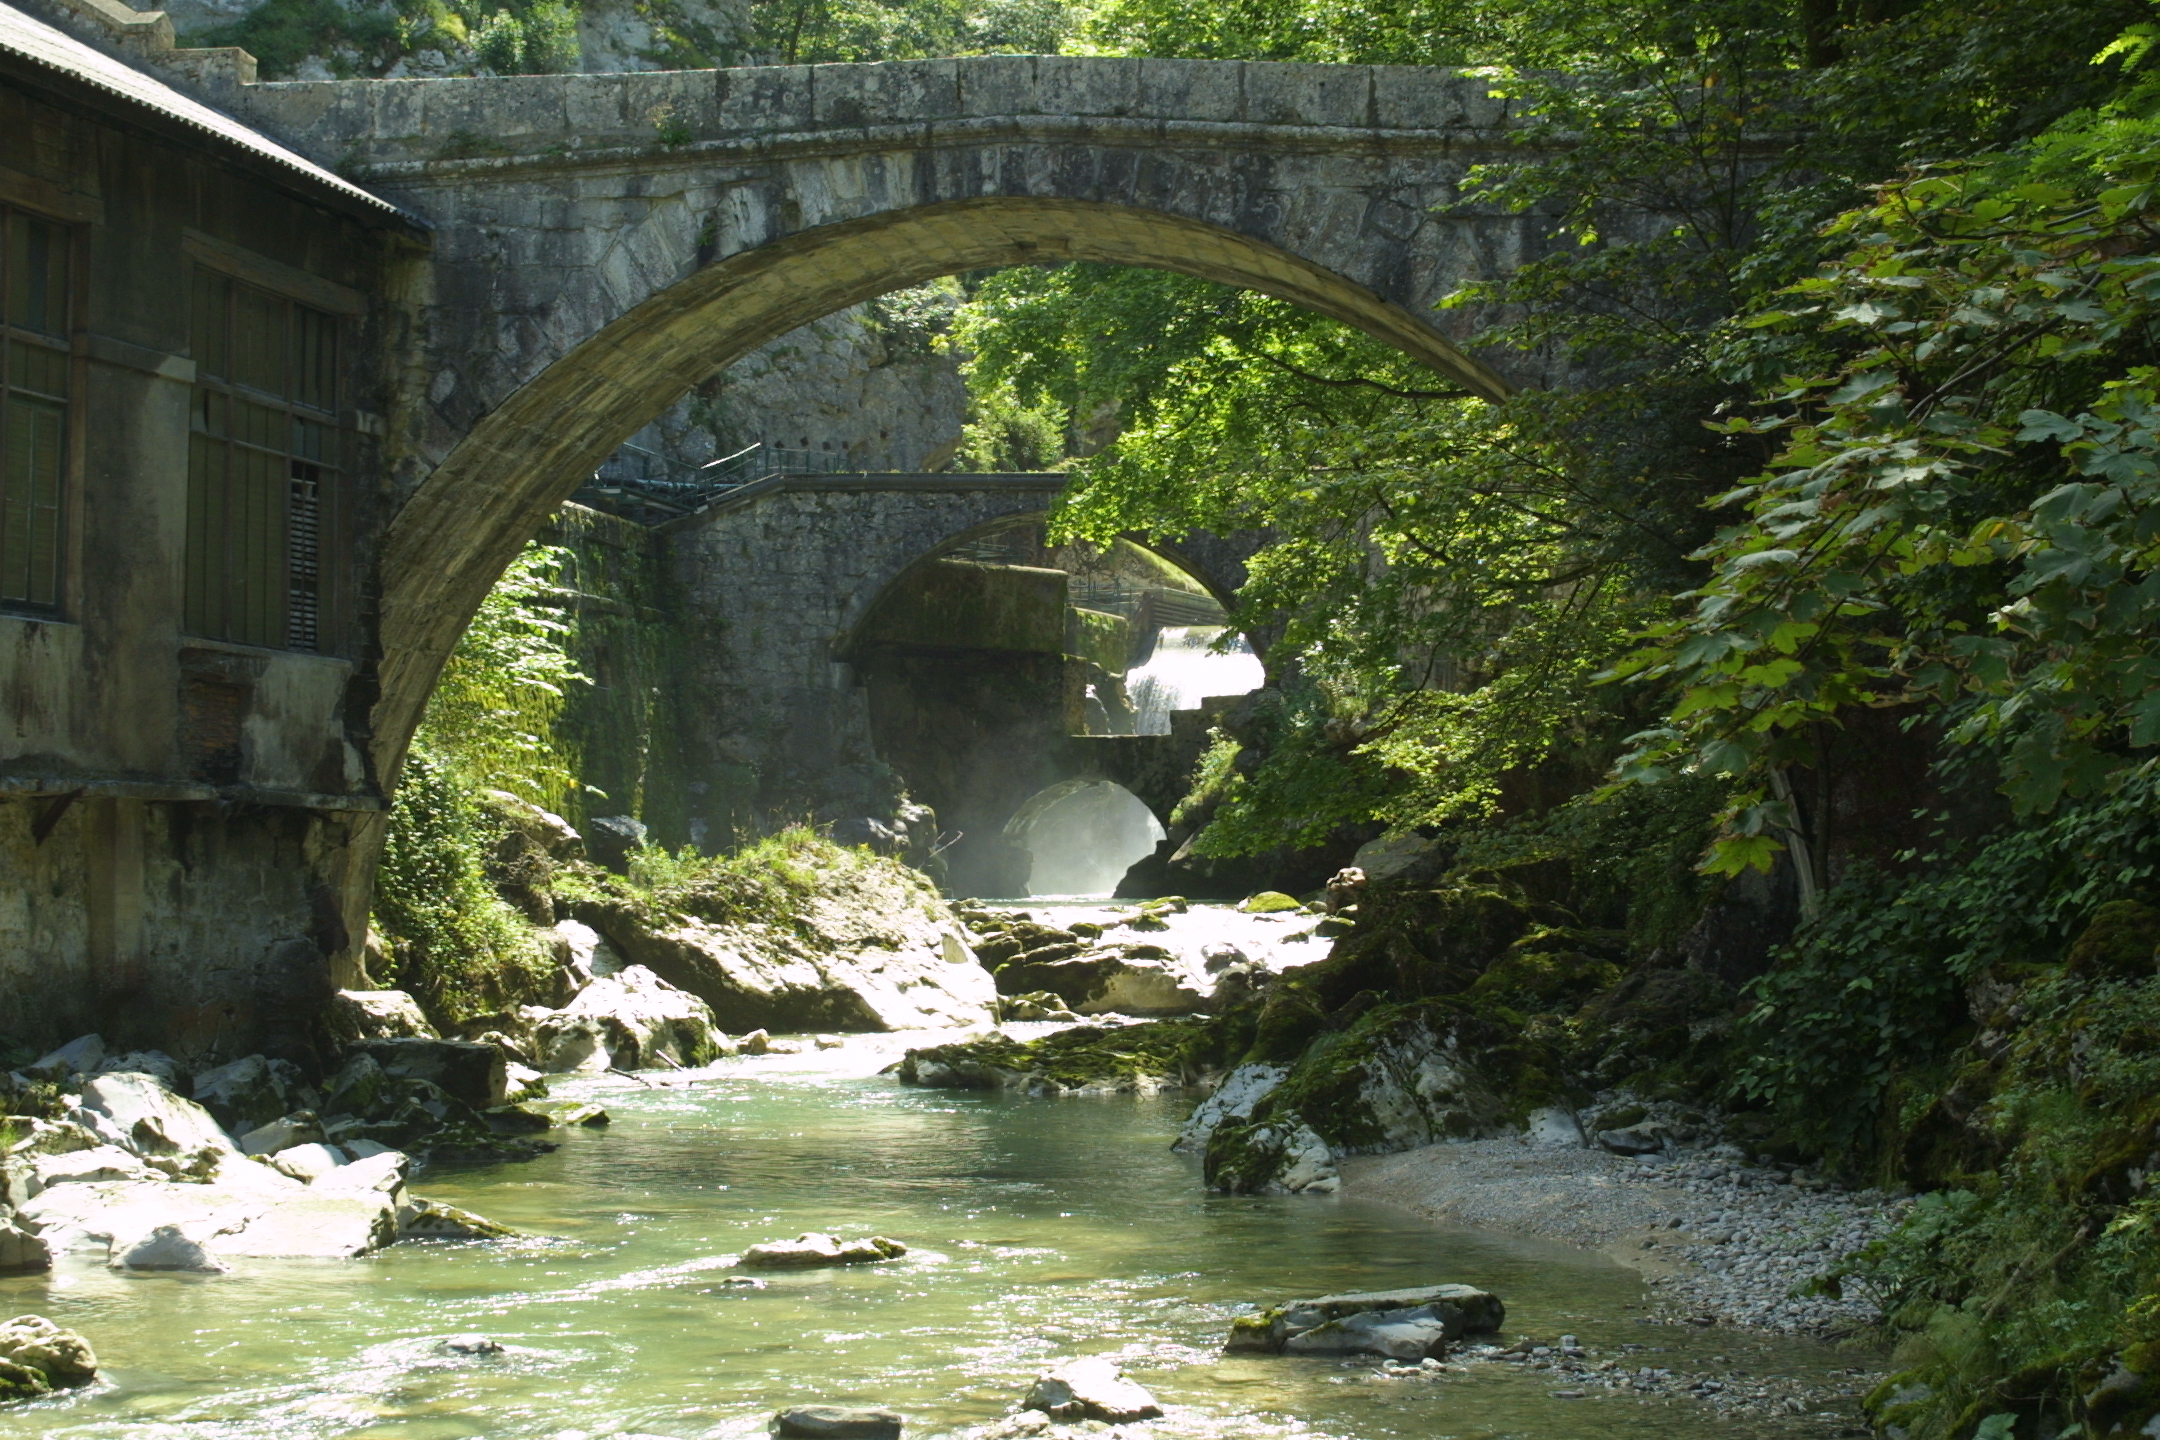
(1185, 669)
(1084, 843)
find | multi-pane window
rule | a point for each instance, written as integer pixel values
(263, 461)
(34, 369)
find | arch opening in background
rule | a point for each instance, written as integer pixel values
(1082, 836)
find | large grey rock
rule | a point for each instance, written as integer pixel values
(837, 1422)
(813, 1249)
(612, 839)
(81, 1167)
(249, 1092)
(474, 1074)
(1092, 1388)
(79, 1056)
(355, 1015)
(1384, 1318)
(1396, 856)
(1104, 982)
(629, 1021)
(1415, 1334)
(156, 1063)
(1285, 1157)
(21, 1249)
(1233, 1100)
(885, 956)
(63, 1357)
(165, 1247)
(553, 834)
(283, 1133)
(137, 1113)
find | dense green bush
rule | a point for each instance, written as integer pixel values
(452, 942)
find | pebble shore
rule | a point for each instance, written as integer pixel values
(1719, 1241)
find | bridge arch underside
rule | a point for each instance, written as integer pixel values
(518, 461)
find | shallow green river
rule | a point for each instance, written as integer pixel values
(1041, 1228)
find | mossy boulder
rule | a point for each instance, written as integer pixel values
(37, 1357)
(1269, 902)
(2119, 943)
(1086, 1059)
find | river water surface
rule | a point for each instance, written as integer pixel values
(1040, 1229)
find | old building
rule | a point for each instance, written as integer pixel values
(192, 413)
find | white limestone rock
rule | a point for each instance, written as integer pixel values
(880, 960)
(628, 1021)
(102, 1162)
(79, 1056)
(376, 1015)
(315, 1226)
(1091, 1388)
(382, 1174)
(283, 1133)
(137, 1113)
(155, 1063)
(309, 1162)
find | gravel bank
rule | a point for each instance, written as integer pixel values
(1718, 1241)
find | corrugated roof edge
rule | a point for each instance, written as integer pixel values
(51, 48)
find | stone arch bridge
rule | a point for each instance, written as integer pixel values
(603, 243)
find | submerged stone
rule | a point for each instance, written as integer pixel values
(837, 1422)
(1399, 1324)
(814, 1248)
(432, 1220)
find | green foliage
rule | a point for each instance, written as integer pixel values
(491, 719)
(1871, 997)
(453, 943)
(771, 880)
(540, 41)
(1962, 511)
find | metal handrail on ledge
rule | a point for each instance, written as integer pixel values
(670, 497)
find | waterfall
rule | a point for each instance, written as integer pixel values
(1185, 668)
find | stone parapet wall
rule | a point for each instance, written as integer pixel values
(385, 126)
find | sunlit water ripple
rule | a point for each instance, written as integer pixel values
(1040, 1228)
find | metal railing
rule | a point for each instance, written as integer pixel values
(684, 488)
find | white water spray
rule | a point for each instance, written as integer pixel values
(1185, 669)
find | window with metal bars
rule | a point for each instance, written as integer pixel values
(34, 374)
(263, 461)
